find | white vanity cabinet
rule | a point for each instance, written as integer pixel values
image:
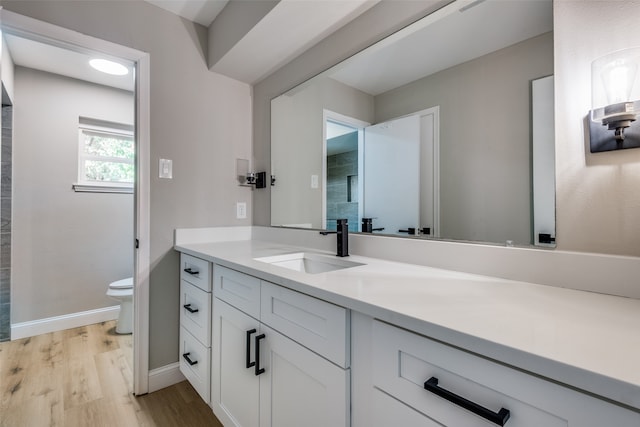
(195, 323)
(415, 381)
(280, 357)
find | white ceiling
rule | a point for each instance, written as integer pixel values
(457, 37)
(201, 11)
(289, 29)
(57, 60)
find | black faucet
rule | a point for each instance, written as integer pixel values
(342, 232)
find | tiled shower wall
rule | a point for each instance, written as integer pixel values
(5, 223)
(342, 189)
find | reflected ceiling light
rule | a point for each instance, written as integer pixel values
(109, 67)
(615, 99)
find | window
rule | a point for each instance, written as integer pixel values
(106, 156)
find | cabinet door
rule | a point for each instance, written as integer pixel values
(235, 388)
(300, 388)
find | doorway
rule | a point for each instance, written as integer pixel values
(75, 43)
(342, 170)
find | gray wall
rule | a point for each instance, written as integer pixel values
(297, 148)
(598, 202)
(199, 119)
(67, 246)
(485, 138)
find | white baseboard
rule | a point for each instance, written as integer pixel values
(66, 321)
(165, 376)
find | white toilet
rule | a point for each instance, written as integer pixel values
(122, 290)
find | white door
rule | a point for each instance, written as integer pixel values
(235, 389)
(300, 388)
(392, 190)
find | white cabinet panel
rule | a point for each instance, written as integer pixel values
(391, 412)
(238, 289)
(234, 387)
(300, 388)
(195, 362)
(403, 361)
(195, 312)
(196, 271)
(316, 324)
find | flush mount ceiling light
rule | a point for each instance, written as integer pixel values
(615, 92)
(109, 67)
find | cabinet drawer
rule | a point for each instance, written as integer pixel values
(404, 361)
(316, 324)
(238, 289)
(198, 370)
(196, 271)
(195, 312)
(391, 412)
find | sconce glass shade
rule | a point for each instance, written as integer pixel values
(615, 89)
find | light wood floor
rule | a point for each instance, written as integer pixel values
(83, 377)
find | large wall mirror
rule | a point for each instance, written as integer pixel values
(443, 130)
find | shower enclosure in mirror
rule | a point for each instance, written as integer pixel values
(443, 130)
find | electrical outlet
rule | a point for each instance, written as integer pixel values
(241, 210)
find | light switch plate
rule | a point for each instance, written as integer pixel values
(165, 169)
(314, 181)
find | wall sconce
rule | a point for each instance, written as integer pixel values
(249, 179)
(615, 92)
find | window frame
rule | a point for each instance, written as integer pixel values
(106, 128)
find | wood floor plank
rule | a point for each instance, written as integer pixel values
(42, 410)
(83, 377)
(114, 373)
(81, 383)
(103, 412)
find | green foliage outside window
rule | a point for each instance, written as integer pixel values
(109, 158)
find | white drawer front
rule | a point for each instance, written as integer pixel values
(238, 289)
(195, 312)
(196, 271)
(403, 362)
(391, 412)
(199, 369)
(316, 324)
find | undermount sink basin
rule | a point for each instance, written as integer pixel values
(306, 262)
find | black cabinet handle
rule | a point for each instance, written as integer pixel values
(190, 271)
(258, 369)
(189, 361)
(189, 309)
(248, 349)
(499, 418)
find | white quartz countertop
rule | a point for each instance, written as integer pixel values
(586, 340)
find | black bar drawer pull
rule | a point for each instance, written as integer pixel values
(189, 361)
(189, 309)
(248, 349)
(190, 271)
(499, 417)
(258, 369)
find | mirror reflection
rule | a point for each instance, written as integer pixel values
(443, 130)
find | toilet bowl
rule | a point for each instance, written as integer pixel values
(122, 290)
